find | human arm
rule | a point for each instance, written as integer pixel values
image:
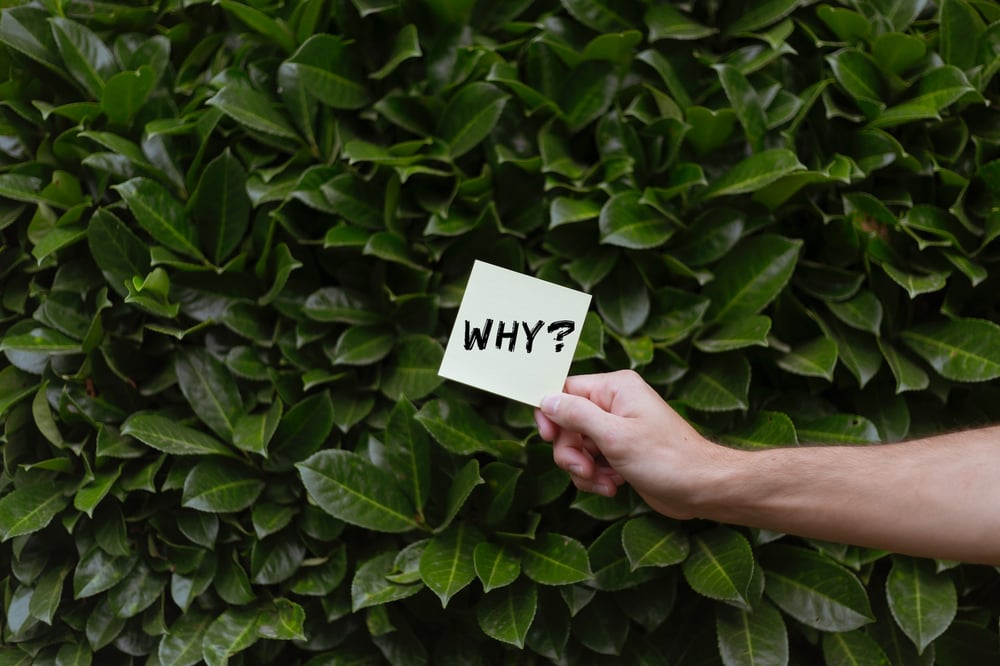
(934, 497)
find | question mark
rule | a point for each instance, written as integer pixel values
(567, 328)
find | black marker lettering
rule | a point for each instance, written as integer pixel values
(479, 338)
(532, 332)
(501, 335)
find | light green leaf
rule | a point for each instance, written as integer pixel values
(126, 92)
(507, 614)
(959, 33)
(964, 350)
(652, 542)
(446, 565)
(554, 559)
(371, 585)
(221, 487)
(232, 632)
(720, 566)
(348, 487)
(766, 430)
(909, 376)
(922, 601)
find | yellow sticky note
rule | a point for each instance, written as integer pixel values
(514, 334)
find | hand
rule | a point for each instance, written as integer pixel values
(611, 428)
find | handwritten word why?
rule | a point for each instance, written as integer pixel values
(480, 337)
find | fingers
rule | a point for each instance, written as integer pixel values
(578, 414)
(546, 427)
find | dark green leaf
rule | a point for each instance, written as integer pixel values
(407, 450)
(347, 486)
(161, 214)
(254, 110)
(182, 644)
(210, 390)
(326, 68)
(554, 559)
(720, 566)
(446, 565)
(221, 487)
(456, 426)
(372, 587)
(652, 542)
(86, 57)
(736, 334)
(963, 350)
(751, 637)
(816, 358)
(721, 384)
(495, 565)
(852, 647)
(922, 601)
(753, 173)
(167, 435)
(30, 508)
(470, 116)
(752, 276)
(220, 206)
(625, 222)
(666, 22)
(507, 614)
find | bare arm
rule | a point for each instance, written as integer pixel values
(935, 497)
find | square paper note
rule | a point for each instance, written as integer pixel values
(514, 335)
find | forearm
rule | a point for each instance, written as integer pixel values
(937, 497)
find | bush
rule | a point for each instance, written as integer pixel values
(234, 235)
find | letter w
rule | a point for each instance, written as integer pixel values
(473, 336)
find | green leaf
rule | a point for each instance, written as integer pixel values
(254, 110)
(816, 358)
(372, 587)
(766, 430)
(273, 29)
(119, 253)
(762, 15)
(736, 334)
(30, 508)
(221, 487)
(814, 590)
(588, 93)
(348, 487)
(182, 644)
(340, 304)
(362, 345)
(97, 572)
(161, 214)
(745, 101)
(838, 429)
(554, 559)
(78, 654)
(959, 33)
(86, 57)
(601, 627)
(232, 632)
(863, 312)
(720, 566)
(220, 206)
(916, 284)
(26, 29)
(600, 15)
(896, 52)
(167, 435)
(922, 601)
(42, 341)
(456, 426)
(253, 432)
(852, 647)
(126, 92)
(463, 483)
(496, 566)
(565, 210)
(282, 620)
(652, 542)
(137, 592)
(752, 276)
(720, 384)
(963, 350)
(406, 46)
(325, 67)
(210, 390)
(753, 173)
(301, 432)
(48, 593)
(625, 222)
(666, 22)
(470, 116)
(446, 565)
(407, 450)
(756, 637)
(909, 376)
(623, 300)
(507, 614)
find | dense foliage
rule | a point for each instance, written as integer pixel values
(233, 236)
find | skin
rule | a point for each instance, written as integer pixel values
(932, 497)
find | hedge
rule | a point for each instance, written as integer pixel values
(233, 238)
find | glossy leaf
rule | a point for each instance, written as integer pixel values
(495, 565)
(210, 390)
(325, 67)
(348, 487)
(221, 487)
(554, 559)
(852, 647)
(507, 614)
(922, 601)
(652, 542)
(963, 350)
(721, 384)
(161, 215)
(446, 565)
(720, 566)
(815, 590)
(816, 358)
(470, 116)
(220, 206)
(758, 636)
(456, 427)
(625, 222)
(167, 435)
(753, 275)
(753, 173)
(30, 508)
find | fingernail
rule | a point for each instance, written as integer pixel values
(600, 489)
(550, 403)
(576, 469)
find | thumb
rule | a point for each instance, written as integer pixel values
(578, 414)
